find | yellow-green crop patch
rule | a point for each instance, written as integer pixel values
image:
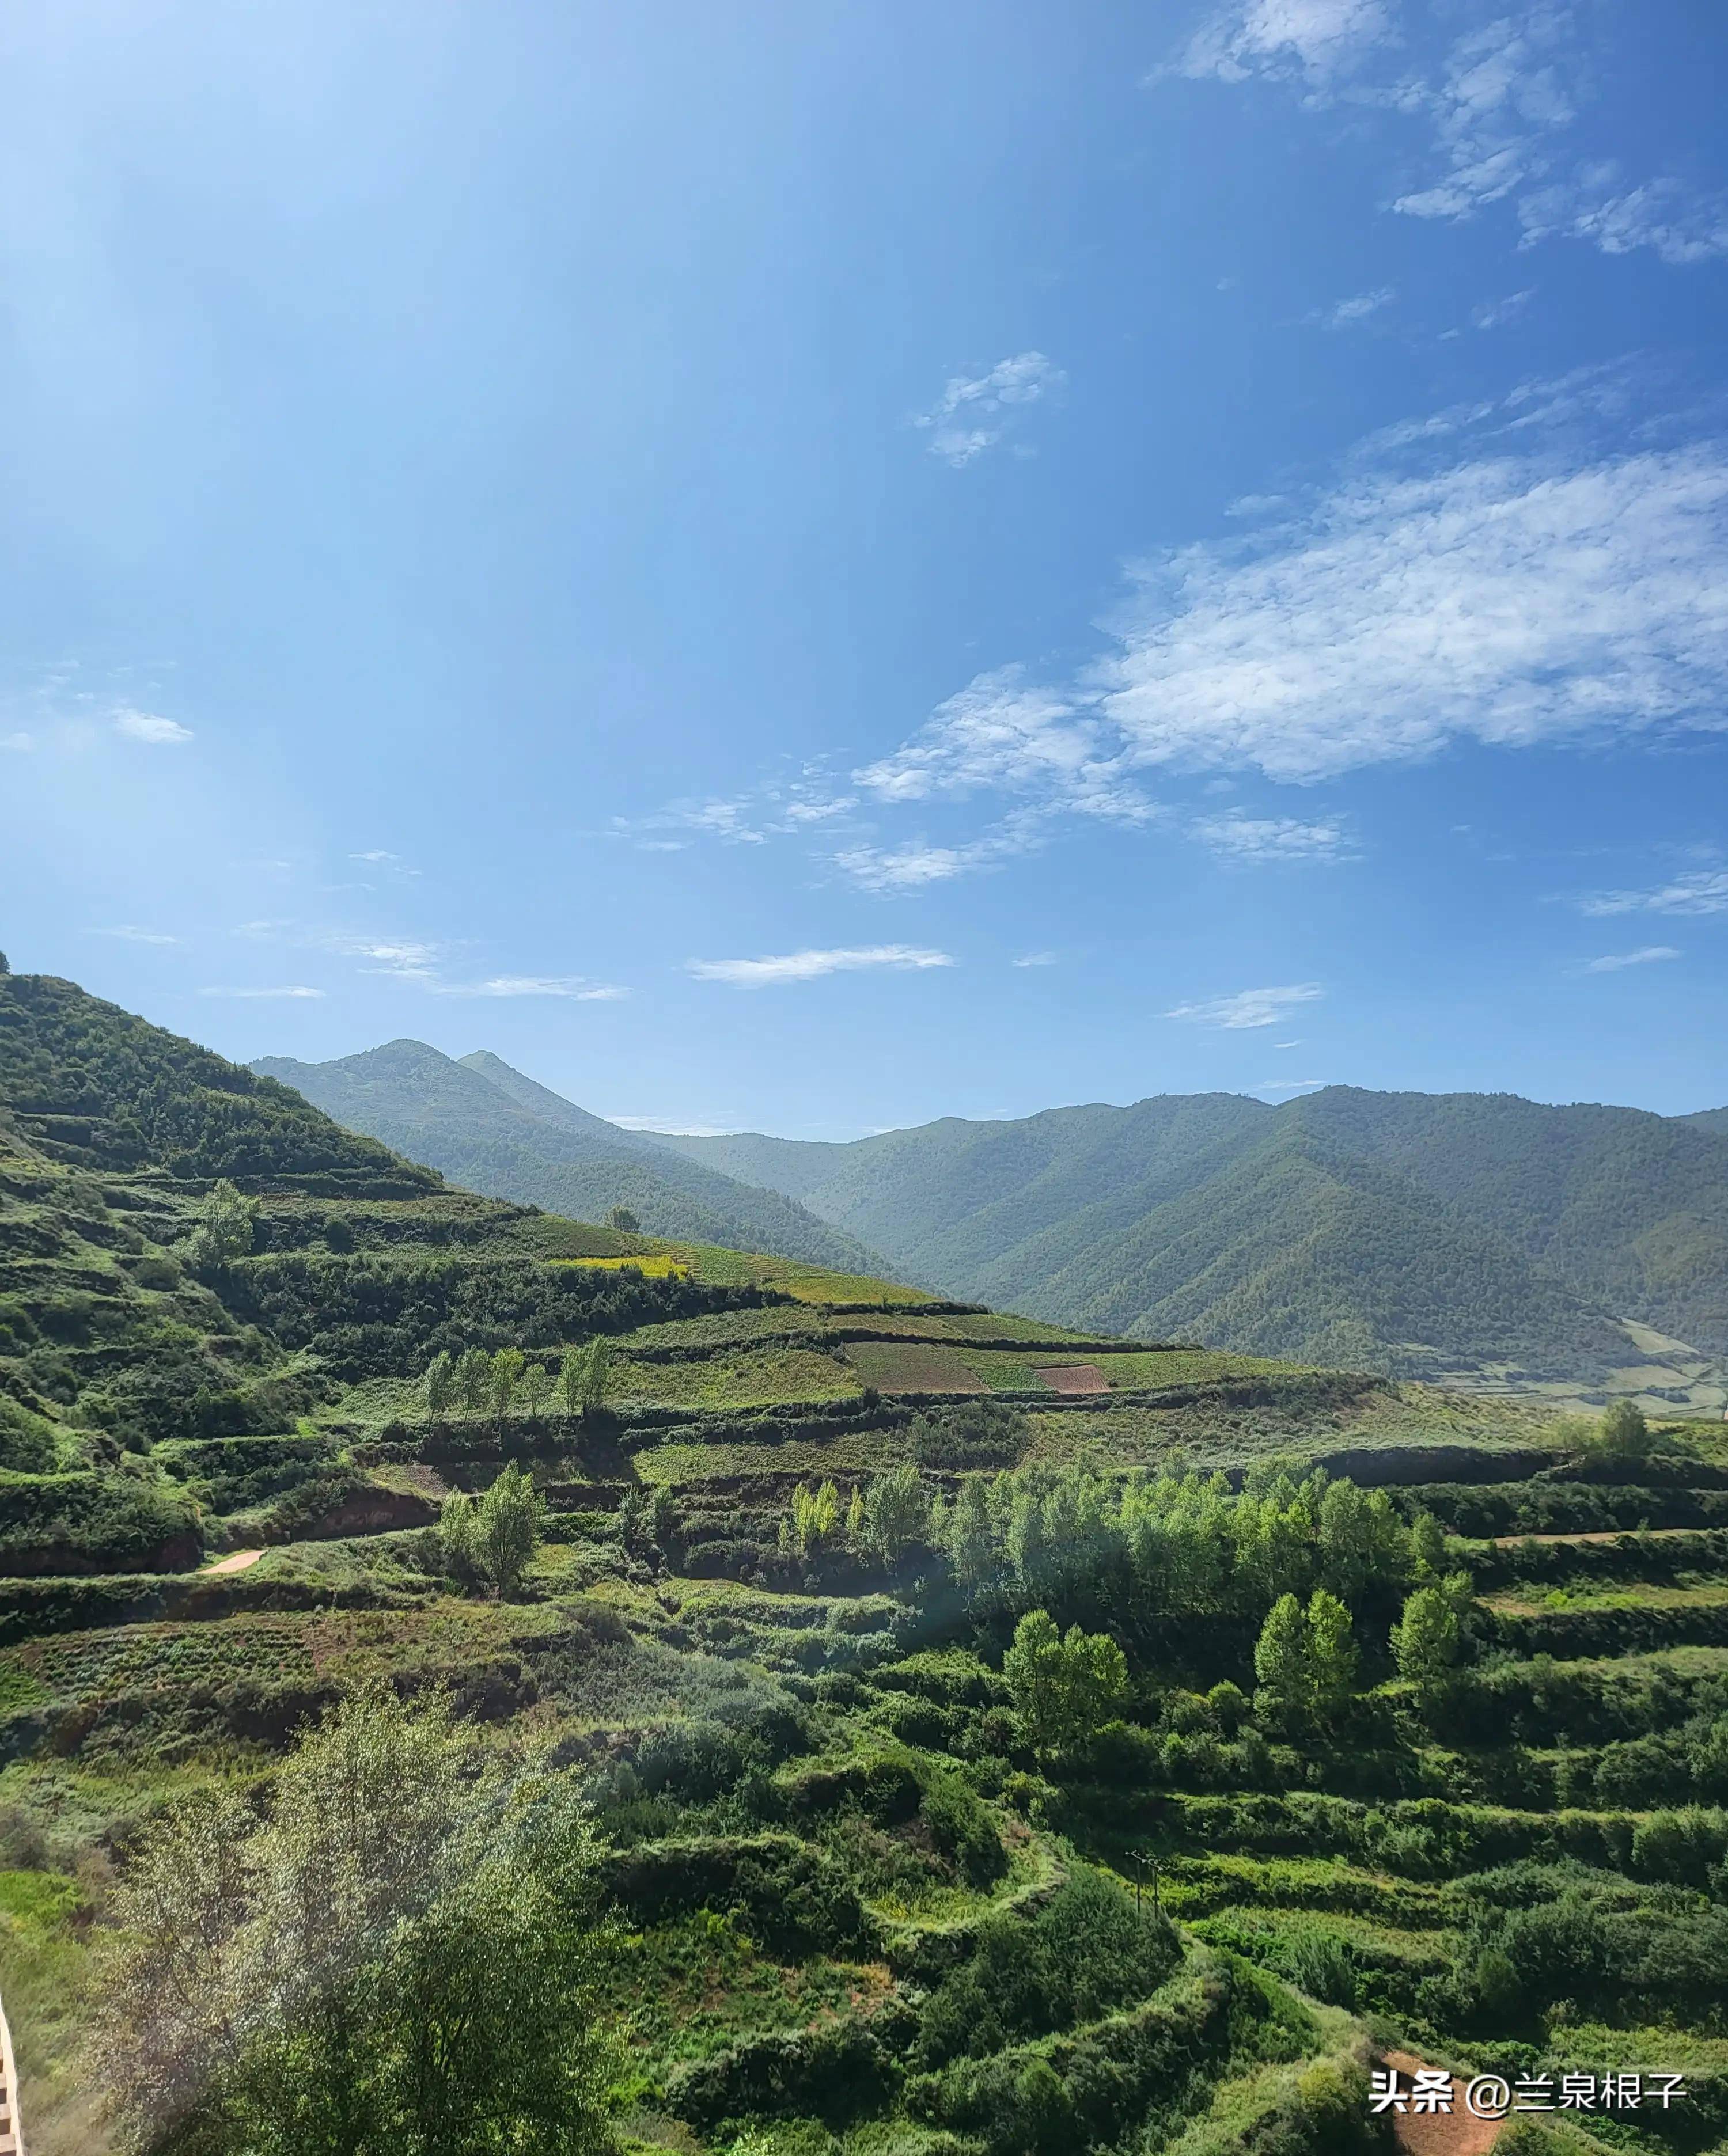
(894, 1366)
(740, 1378)
(854, 1452)
(651, 1266)
(803, 1283)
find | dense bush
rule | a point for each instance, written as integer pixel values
(1087, 1950)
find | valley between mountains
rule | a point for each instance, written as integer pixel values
(1574, 1254)
(977, 1733)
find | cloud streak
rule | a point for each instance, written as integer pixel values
(1699, 891)
(1248, 1008)
(264, 995)
(149, 727)
(1264, 840)
(813, 965)
(1617, 962)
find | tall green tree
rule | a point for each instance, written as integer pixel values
(1332, 1656)
(816, 1518)
(1427, 1642)
(596, 1376)
(1283, 1667)
(506, 1374)
(1064, 1688)
(507, 1523)
(535, 1385)
(623, 1221)
(896, 1515)
(227, 1224)
(1427, 1548)
(399, 1959)
(573, 1375)
(474, 1379)
(440, 1386)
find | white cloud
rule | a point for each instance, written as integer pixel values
(146, 727)
(1501, 600)
(999, 731)
(1680, 227)
(1699, 891)
(1507, 599)
(1493, 313)
(898, 871)
(1493, 113)
(1248, 1007)
(1315, 39)
(1651, 953)
(1035, 959)
(1348, 312)
(573, 985)
(1289, 1088)
(812, 965)
(1501, 94)
(129, 934)
(1271, 839)
(975, 413)
(263, 992)
(1287, 1044)
(20, 742)
(405, 960)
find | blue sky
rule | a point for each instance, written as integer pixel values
(810, 569)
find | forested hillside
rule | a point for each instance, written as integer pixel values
(513, 1139)
(472, 1679)
(1402, 1231)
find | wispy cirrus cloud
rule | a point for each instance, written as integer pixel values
(1313, 41)
(1699, 891)
(773, 810)
(265, 995)
(128, 932)
(578, 988)
(1248, 1008)
(1359, 308)
(149, 727)
(1004, 731)
(1616, 961)
(1260, 840)
(1035, 959)
(978, 412)
(1495, 314)
(899, 871)
(1478, 576)
(813, 965)
(1494, 110)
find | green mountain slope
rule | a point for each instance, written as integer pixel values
(516, 1139)
(1708, 1119)
(876, 1871)
(1390, 1228)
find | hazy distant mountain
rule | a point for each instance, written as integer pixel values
(487, 1127)
(1401, 1229)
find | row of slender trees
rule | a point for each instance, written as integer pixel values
(476, 1382)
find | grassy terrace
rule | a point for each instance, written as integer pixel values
(875, 1893)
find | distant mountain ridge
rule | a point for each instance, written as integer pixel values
(1403, 1230)
(487, 1127)
(1411, 1233)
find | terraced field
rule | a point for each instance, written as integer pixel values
(894, 1878)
